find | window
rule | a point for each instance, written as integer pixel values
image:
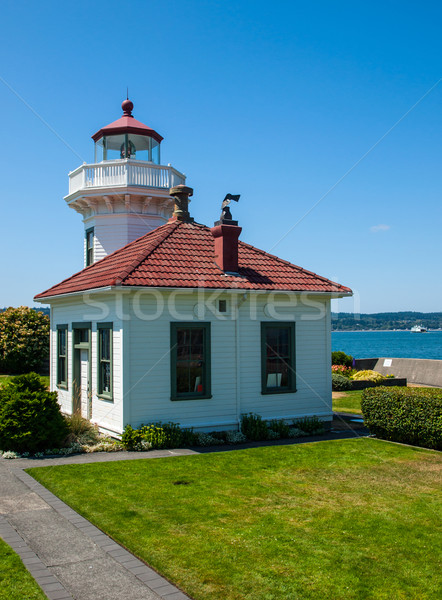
(222, 306)
(62, 356)
(104, 375)
(81, 335)
(278, 358)
(89, 246)
(190, 360)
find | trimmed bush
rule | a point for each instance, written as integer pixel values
(367, 375)
(30, 417)
(24, 340)
(407, 415)
(340, 383)
(340, 358)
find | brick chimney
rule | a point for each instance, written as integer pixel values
(226, 246)
(226, 233)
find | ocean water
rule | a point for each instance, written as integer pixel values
(394, 344)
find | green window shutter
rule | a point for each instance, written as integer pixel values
(278, 359)
(190, 361)
(62, 356)
(105, 360)
(89, 236)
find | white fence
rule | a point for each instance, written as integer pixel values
(123, 173)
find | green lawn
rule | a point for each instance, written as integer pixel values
(16, 583)
(332, 520)
(348, 402)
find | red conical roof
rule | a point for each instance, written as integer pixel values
(127, 124)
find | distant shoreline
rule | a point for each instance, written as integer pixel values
(381, 330)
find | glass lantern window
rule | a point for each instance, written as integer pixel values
(129, 145)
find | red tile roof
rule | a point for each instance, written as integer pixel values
(181, 255)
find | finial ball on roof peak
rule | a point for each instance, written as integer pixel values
(127, 107)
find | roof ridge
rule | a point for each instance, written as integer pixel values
(143, 254)
(293, 266)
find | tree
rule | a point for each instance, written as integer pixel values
(24, 340)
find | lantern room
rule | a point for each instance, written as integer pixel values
(127, 138)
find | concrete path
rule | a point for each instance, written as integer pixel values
(67, 555)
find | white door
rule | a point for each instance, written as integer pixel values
(84, 383)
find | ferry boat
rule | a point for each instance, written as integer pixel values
(418, 329)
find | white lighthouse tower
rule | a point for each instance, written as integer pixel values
(124, 193)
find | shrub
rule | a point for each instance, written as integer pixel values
(407, 415)
(235, 437)
(219, 435)
(254, 428)
(144, 438)
(340, 383)
(157, 436)
(205, 439)
(30, 417)
(340, 358)
(342, 370)
(24, 340)
(367, 375)
(295, 433)
(309, 424)
(280, 427)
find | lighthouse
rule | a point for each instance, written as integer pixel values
(124, 193)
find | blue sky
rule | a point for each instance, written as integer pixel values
(274, 101)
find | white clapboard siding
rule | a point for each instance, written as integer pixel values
(150, 368)
(313, 395)
(149, 371)
(113, 231)
(141, 359)
(107, 414)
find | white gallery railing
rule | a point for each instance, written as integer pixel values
(124, 172)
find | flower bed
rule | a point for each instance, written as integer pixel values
(85, 438)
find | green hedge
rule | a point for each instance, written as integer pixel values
(407, 415)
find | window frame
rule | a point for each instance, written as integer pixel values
(62, 382)
(100, 393)
(86, 235)
(265, 325)
(207, 355)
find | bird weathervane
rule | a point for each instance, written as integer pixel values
(226, 215)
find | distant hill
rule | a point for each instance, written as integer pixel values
(387, 320)
(351, 322)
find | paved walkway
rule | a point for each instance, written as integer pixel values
(69, 557)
